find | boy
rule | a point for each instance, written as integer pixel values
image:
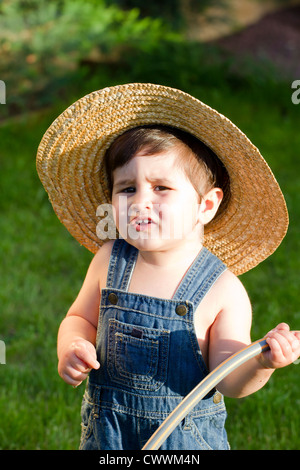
(170, 310)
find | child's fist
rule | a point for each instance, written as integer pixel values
(284, 347)
(76, 362)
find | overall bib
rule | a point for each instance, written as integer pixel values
(150, 360)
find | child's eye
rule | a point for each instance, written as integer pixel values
(130, 189)
(161, 188)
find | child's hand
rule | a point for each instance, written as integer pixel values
(284, 347)
(76, 362)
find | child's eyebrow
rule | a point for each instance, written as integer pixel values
(162, 181)
(155, 180)
(123, 182)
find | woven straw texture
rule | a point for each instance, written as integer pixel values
(70, 166)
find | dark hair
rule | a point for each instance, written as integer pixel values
(201, 165)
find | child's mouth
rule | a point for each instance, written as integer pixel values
(141, 224)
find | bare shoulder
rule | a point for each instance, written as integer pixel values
(230, 289)
(100, 262)
(104, 252)
(234, 310)
(226, 298)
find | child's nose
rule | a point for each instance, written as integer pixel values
(141, 201)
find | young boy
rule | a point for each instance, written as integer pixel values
(170, 310)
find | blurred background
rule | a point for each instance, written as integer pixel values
(241, 58)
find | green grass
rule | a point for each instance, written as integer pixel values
(38, 282)
(42, 269)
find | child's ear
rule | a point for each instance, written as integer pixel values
(209, 205)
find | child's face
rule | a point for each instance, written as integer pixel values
(155, 204)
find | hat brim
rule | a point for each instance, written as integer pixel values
(70, 166)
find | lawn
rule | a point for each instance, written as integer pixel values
(42, 269)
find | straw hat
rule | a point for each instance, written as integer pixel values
(70, 166)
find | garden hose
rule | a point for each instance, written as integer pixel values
(201, 390)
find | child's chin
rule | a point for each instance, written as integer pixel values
(143, 241)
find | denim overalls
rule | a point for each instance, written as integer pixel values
(150, 360)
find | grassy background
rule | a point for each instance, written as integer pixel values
(42, 267)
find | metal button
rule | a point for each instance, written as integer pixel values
(181, 310)
(113, 298)
(217, 398)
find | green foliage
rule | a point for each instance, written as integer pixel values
(172, 11)
(42, 43)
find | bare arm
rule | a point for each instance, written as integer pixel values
(77, 333)
(231, 332)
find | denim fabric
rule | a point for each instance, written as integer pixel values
(150, 360)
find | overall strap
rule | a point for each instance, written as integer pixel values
(122, 261)
(200, 277)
